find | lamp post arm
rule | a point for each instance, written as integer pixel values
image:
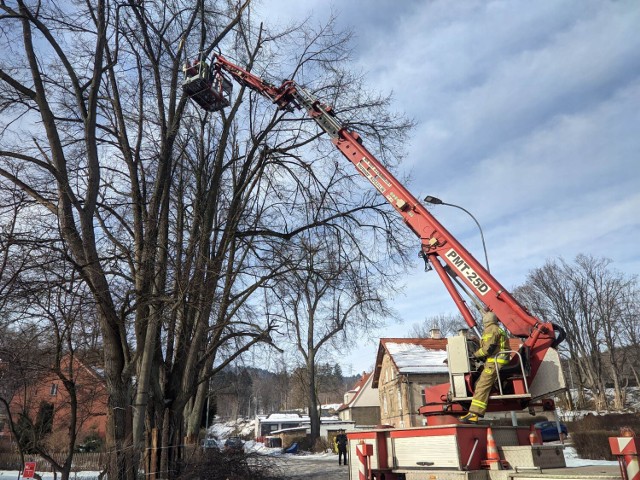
(484, 246)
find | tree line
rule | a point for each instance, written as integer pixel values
(599, 309)
(244, 392)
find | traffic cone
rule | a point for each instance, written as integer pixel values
(493, 457)
(534, 439)
(631, 465)
(632, 468)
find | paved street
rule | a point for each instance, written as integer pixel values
(313, 467)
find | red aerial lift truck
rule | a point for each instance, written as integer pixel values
(444, 445)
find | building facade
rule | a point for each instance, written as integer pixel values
(404, 367)
(361, 403)
(47, 404)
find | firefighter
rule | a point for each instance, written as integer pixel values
(190, 70)
(341, 444)
(494, 340)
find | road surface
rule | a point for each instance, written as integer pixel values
(313, 467)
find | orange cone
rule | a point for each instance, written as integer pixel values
(493, 457)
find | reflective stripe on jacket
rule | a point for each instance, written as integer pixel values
(494, 340)
(501, 358)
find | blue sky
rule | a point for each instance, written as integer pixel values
(528, 115)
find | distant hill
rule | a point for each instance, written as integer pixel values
(247, 391)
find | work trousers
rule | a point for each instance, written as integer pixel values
(342, 453)
(483, 388)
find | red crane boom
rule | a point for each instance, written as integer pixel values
(456, 267)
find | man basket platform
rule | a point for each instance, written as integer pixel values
(206, 86)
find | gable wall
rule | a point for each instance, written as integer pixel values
(400, 395)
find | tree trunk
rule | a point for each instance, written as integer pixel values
(144, 379)
(314, 414)
(582, 402)
(618, 394)
(194, 414)
(123, 462)
(171, 436)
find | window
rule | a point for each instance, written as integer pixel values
(44, 418)
(54, 389)
(267, 428)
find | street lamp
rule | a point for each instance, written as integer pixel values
(437, 201)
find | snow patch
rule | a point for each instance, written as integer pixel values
(8, 474)
(240, 427)
(573, 460)
(412, 358)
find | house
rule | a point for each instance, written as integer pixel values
(361, 403)
(329, 428)
(287, 424)
(266, 424)
(47, 404)
(404, 367)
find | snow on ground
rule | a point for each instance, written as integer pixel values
(241, 427)
(572, 460)
(7, 474)
(257, 447)
(632, 403)
(570, 455)
(220, 431)
(223, 430)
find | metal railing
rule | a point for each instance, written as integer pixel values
(521, 362)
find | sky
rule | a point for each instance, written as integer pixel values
(528, 116)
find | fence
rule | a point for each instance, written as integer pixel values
(82, 462)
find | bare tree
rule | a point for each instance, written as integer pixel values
(446, 324)
(50, 314)
(590, 301)
(551, 294)
(326, 298)
(629, 325)
(14, 248)
(174, 219)
(607, 293)
(15, 372)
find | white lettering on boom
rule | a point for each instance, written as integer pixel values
(467, 272)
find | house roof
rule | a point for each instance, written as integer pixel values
(412, 355)
(282, 417)
(357, 389)
(418, 355)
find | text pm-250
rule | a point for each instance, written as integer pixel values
(467, 272)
